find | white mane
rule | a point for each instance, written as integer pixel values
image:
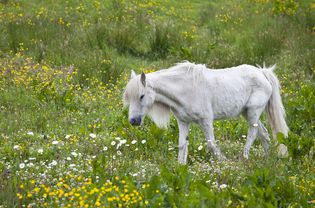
(195, 71)
(160, 114)
(133, 89)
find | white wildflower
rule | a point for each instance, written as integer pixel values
(118, 152)
(30, 133)
(53, 163)
(68, 158)
(93, 136)
(113, 143)
(222, 186)
(200, 147)
(16, 147)
(143, 141)
(55, 142)
(105, 148)
(30, 164)
(22, 165)
(74, 154)
(121, 142)
(133, 141)
(40, 151)
(68, 136)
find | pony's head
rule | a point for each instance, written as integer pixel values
(140, 96)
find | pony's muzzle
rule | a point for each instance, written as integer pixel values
(135, 121)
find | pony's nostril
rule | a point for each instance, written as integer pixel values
(139, 120)
(135, 121)
(132, 121)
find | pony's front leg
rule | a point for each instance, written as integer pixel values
(183, 141)
(208, 131)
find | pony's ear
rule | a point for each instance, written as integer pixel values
(143, 79)
(133, 74)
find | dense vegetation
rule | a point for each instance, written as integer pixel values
(65, 140)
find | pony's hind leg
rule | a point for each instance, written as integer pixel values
(264, 137)
(208, 131)
(252, 115)
(183, 128)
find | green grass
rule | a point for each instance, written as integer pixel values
(65, 140)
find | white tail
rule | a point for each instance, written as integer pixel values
(275, 109)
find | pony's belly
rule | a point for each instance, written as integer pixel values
(226, 114)
(228, 109)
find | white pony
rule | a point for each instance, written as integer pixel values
(197, 94)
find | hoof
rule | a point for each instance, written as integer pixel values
(282, 151)
(243, 157)
(221, 158)
(182, 162)
(240, 157)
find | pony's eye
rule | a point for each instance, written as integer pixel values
(141, 97)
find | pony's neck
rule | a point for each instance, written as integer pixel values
(166, 86)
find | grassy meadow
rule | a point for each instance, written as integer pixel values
(65, 140)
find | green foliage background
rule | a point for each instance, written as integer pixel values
(65, 140)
